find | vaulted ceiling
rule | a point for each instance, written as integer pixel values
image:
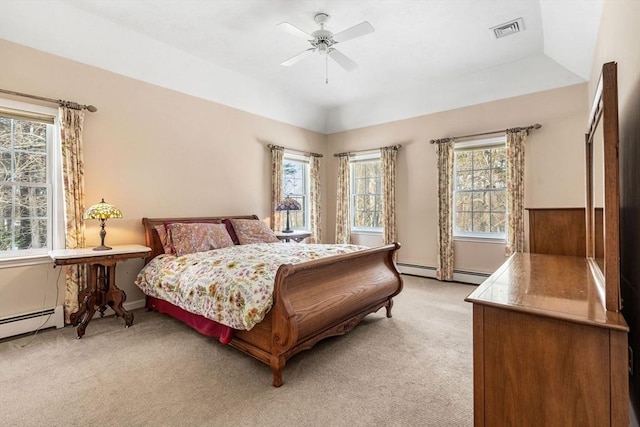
(424, 56)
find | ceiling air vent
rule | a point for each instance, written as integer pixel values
(508, 28)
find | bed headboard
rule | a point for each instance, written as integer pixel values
(153, 240)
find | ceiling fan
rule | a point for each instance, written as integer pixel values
(324, 41)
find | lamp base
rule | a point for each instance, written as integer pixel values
(103, 233)
(102, 248)
(288, 226)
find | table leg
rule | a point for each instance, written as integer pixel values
(116, 297)
(101, 290)
(82, 299)
(103, 286)
(89, 301)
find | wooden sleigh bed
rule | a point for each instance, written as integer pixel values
(311, 300)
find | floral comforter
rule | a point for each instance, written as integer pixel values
(233, 286)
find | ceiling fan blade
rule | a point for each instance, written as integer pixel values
(292, 29)
(361, 29)
(342, 60)
(294, 59)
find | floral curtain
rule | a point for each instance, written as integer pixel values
(444, 153)
(71, 124)
(277, 171)
(314, 196)
(343, 215)
(515, 190)
(388, 156)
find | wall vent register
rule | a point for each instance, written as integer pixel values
(508, 28)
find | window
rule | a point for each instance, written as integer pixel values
(27, 175)
(296, 185)
(480, 189)
(366, 193)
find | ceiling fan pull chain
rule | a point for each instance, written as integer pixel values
(326, 68)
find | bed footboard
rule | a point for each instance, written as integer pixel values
(319, 299)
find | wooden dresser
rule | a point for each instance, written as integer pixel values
(546, 352)
(549, 339)
(546, 224)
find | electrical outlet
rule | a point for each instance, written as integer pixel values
(630, 361)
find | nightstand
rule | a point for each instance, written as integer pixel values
(296, 236)
(101, 281)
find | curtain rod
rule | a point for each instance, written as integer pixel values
(348, 153)
(441, 140)
(271, 146)
(60, 102)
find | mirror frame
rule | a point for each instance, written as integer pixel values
(604, 112)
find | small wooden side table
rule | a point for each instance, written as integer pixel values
(296, 236)
(101, 287)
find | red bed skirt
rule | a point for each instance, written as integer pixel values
(201, 324)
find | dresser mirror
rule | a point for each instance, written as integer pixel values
(603, 194)
(597, 191)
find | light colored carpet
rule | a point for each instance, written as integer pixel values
(412, 370)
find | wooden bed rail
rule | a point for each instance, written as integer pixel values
(327, 297)
(312, 300)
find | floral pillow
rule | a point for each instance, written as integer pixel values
(164, 238)
(253, 231)
(188, 238)
(231, 231)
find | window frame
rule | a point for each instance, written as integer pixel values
(55, 197)
(288, 156)
(477, 144)
(358, 158)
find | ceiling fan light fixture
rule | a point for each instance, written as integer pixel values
(322, 41)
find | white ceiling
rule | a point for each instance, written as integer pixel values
(424, 56)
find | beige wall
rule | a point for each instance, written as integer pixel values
(619, 41)
(156, 152)
(150, 151)
(554, 165)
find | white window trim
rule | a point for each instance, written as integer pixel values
(480, 237)
(56, 218)
(304, 159)
(369, 155)
(367, 231)
(24, 260)
(296, 157)
(459, 236)
(362, 157)
(478, 143)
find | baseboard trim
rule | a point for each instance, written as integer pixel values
(29, 322)
(462, 276)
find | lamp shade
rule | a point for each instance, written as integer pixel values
(102, 210)
(288, 204)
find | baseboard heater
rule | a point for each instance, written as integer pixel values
(462, 276)
(30, 322)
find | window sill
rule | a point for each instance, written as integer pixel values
(478, 239)
(10, 261)
(360, 231)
